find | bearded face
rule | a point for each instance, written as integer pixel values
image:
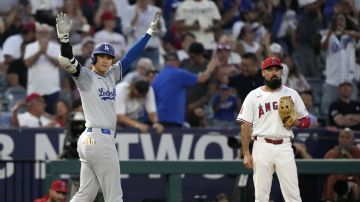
(273, 83)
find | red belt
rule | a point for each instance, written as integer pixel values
(271, 141)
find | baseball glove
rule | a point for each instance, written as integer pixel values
(287, 111)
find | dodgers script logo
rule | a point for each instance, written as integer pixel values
(107, 95)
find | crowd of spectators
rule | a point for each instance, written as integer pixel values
(196, 71)
(316, 40)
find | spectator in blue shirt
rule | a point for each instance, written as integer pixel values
(170, 89)
(225, 105)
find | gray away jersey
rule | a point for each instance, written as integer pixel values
(98, 96)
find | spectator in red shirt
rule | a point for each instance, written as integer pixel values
(57, 192)
(341, 186)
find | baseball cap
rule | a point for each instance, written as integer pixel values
(32, 96)
(270, 62)
(275, 48)
(344, 82)
(107, 15)
(59, 186)
(171, 56)
(29, 26)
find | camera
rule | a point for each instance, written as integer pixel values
(234, 142)
(73, 129)
(344, 150)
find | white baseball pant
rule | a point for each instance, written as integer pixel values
(280, 158)
(99, 166)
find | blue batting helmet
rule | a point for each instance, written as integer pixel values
(102, 48)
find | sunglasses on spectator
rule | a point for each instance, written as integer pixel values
(223, 47)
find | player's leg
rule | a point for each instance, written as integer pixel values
(89, 185)
(262, 154)
(107, 170)
(287, 173)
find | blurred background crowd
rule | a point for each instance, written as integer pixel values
(317, 41)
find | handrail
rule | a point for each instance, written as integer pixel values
(173, 169)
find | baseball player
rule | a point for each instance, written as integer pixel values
(96, 146)
(261, 122)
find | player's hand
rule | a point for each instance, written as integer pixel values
(155, 23)
(248, 161)
(63, 27)
(158, 127)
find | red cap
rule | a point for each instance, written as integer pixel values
(59, 185)
(32, 97)
(270, 62)
(29, 26)
(107, 15)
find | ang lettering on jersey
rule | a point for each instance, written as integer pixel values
(268, 106)
(107, 95)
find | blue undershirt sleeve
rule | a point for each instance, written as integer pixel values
(134, 52)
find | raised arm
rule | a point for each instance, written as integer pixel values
(66, 59)
(134, 52)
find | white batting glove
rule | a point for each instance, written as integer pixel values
(155, 23)
(63, 27)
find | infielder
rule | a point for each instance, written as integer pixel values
(272, 134)
(96, 145)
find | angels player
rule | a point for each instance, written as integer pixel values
(272, 146)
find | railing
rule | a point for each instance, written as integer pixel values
(173, 170)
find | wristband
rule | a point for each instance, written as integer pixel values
(150, 31)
